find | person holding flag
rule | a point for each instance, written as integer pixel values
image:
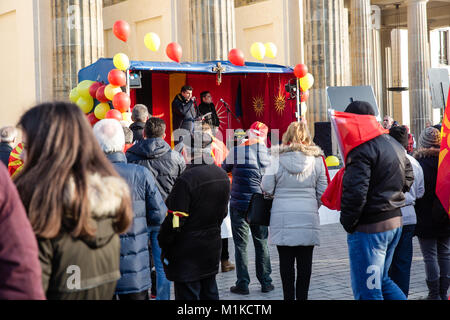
(377, 173)
(433, 223)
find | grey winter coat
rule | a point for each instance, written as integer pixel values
(297, 179)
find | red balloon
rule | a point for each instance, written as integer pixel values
(122, 102)
(100, 95)
(93, 89)
(300, 70)
(236, 57)
(117, 78)
(304, 96)
(114, 114)
(121, 30)
(92, 119)
(174, 51)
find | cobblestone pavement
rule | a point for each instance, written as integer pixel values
(330, 279)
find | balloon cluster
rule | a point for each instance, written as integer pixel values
(109, 100)
(306, 81)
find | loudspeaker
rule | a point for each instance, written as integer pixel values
(323, 137)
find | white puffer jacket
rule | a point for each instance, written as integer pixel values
(297, 179)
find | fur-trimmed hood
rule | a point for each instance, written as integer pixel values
(105, 198)
(425, 153)
(296, 158)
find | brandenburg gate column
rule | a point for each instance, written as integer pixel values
(213, 29)
(78, 41)
(418, 65)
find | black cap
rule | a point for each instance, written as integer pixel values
(400, 133)
(360, 107)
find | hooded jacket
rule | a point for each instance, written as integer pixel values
(148, 207)
(247, 164)
(297, 181)
(165, 164)
(20, 271)
(432, 220)
(85, 268)
(5, 151)
(377, 173)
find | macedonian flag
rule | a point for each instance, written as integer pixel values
(15, 161)
(443, 177)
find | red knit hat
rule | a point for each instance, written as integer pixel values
(259, 129)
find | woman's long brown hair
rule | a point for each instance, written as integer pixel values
(60, 145)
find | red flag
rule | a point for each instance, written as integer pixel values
(351, 131)
(443, 176)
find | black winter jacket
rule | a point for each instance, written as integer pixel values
(184, 113)
(157, 156)
(432, 220)
(192, 251)
(138, 131)
(5, 151)
(377, 174)
(205, 108)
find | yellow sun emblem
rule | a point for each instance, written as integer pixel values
(258, 105)
(280, 103)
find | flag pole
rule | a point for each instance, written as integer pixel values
(299, 108)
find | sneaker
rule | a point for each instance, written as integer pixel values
(268, 288)
(227, 266)
(238, 290)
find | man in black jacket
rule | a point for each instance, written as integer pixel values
(208, 110)
(377, 173)
(139, 115)
(190, 235)
(184, 110)
(7, 140)
(166, 165)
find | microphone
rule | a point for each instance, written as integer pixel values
(194, 99)
(221, 100)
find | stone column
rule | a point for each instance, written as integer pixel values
(324, 52)
(213, 29)
(78, 41)
(419, 64)
(361, 43)
(385, 49)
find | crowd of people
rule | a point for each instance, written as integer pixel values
(91, 213)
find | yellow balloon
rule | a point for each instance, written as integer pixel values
(307, 82)
(121, 61)
(152, 41)
(332, 161)
(258, 50)
(127, 116)
(101, 110)
(85, 104)
(74, 95)
(271, 50)
(111, 91)
(83, 88)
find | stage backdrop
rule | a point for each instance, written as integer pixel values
(251, 97)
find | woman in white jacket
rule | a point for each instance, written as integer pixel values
(297, 179)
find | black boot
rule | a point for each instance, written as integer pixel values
(443, 288)
(433, 290)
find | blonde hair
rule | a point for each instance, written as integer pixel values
(297, 133)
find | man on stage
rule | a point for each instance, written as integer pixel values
(208, 110)
(184, 110)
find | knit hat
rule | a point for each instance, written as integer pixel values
(400, 133)
(430, 138)
(360, 107)
(259, 129)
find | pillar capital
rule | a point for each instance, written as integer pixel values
(409, 2)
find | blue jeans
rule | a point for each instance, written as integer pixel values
(240, 229)
(370, 258)
(162, 284)
(400, 270)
